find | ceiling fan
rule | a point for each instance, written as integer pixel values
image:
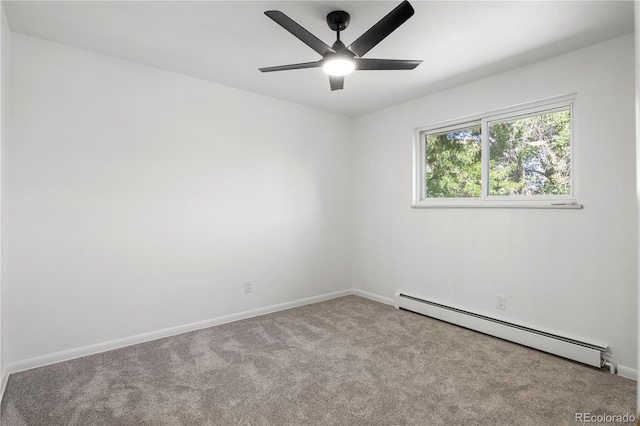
(340, 60)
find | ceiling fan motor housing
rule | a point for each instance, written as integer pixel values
(338, 20)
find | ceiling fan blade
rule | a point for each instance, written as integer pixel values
(297, 30)
(383, 28)
(386, 64)
(293, 66)
(337, 82)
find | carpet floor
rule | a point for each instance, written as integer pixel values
(346, 361)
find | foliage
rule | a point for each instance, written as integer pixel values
(527, 156)
(453, 164)
(531, 156)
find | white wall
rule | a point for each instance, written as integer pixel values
(142, 199)
(637, 56)
(566, 271)
(5, 49)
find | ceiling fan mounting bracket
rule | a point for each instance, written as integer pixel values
(338, 20)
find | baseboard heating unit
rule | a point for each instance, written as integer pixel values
(586, 353)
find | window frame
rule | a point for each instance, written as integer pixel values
(516, 112)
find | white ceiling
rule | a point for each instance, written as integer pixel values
(227, 41)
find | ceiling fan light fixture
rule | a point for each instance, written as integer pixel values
(339, 66)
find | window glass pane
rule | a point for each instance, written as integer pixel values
(531, 156)
(453, 164)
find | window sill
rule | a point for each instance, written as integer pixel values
(491, 205)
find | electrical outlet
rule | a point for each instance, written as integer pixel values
(248, 286)
(501, 303)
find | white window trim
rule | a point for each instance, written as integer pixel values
(486, 200)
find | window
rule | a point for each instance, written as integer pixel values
(453, 162)
(517, 157)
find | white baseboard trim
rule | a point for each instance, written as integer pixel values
(372, 296)
(4, 378)
(629, 373)
(67, 355)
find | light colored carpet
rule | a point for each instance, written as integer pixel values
(347, 361)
